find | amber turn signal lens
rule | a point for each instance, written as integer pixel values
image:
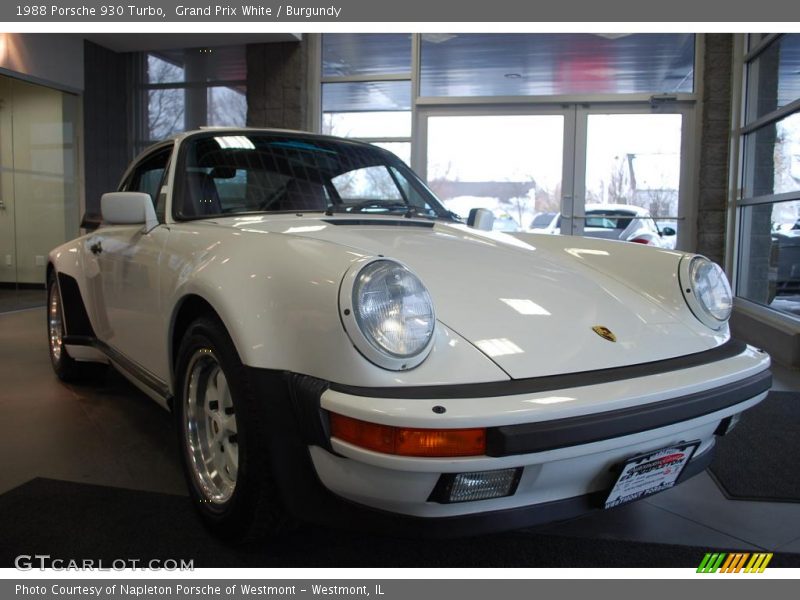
(407, 441)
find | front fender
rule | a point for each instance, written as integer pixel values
(70, 259)
(277, 295)
(652, 272)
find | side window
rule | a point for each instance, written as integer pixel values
(147, 178)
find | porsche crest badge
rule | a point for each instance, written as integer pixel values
(605, 333)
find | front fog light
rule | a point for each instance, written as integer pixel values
(479, 485)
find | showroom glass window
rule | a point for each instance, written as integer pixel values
(768, 266)
(189, 88)
(366, 89)
(40, 185)
(440, 101)
(521, 64)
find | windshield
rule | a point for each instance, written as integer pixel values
(543, 219)
(225, 174)
(608, 219)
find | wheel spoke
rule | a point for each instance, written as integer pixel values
(229, 421)
(55, 324)
(232, 460)
(223, 395)
(211, 428)
(212, 394)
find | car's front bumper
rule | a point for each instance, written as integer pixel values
(569, 441)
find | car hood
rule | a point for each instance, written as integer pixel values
(532, 307)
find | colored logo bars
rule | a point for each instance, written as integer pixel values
(720, 562)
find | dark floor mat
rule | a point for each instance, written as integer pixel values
(71, 520)
(760, 458)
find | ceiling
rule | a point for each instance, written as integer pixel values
(140, 42)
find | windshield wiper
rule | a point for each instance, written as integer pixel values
(408, 210)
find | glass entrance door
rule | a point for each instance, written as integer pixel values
(514, 164)
(8, 264)
(629, 181)
(39, 193)
(576, 170)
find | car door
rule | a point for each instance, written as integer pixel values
(126, 266)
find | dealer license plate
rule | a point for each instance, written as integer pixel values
(650, 473)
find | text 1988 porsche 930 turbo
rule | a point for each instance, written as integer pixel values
(336, 346)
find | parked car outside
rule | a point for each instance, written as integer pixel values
(614, 221)
(625, 222)
(546, 222)
(788, 261)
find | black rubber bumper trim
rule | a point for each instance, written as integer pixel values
(549, 435)
(548, 383)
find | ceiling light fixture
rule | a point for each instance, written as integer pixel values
(438, 38)
(612, 36)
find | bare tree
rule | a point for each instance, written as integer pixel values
(660, 202)
(226, 106)
(518, 201)
(367, 183)
(548, 201)
(618, 188)
(440, 177)
(165, 107)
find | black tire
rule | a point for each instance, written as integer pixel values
(65, 367)
(254, 508)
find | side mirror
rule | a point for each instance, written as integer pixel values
(128, 208)
(481, 218)
(668, 231)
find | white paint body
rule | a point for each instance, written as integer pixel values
(508, 307)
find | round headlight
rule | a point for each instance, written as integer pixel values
(706, 290)
(388, 314)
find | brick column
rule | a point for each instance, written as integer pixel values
(716, 114)
(107, 103)
(276, 85)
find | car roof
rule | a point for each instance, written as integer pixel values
(630, 208)
(183, 135)
(226, 130)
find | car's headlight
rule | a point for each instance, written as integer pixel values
(706, 290)
(388, 314)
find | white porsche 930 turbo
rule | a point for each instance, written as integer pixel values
(338, 347)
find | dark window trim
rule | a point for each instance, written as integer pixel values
(164, 148)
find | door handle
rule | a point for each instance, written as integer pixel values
(96, 248)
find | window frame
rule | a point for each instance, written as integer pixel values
(740, 169)
(141, 121)
(166, 148)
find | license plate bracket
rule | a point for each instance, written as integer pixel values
(649, 473)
